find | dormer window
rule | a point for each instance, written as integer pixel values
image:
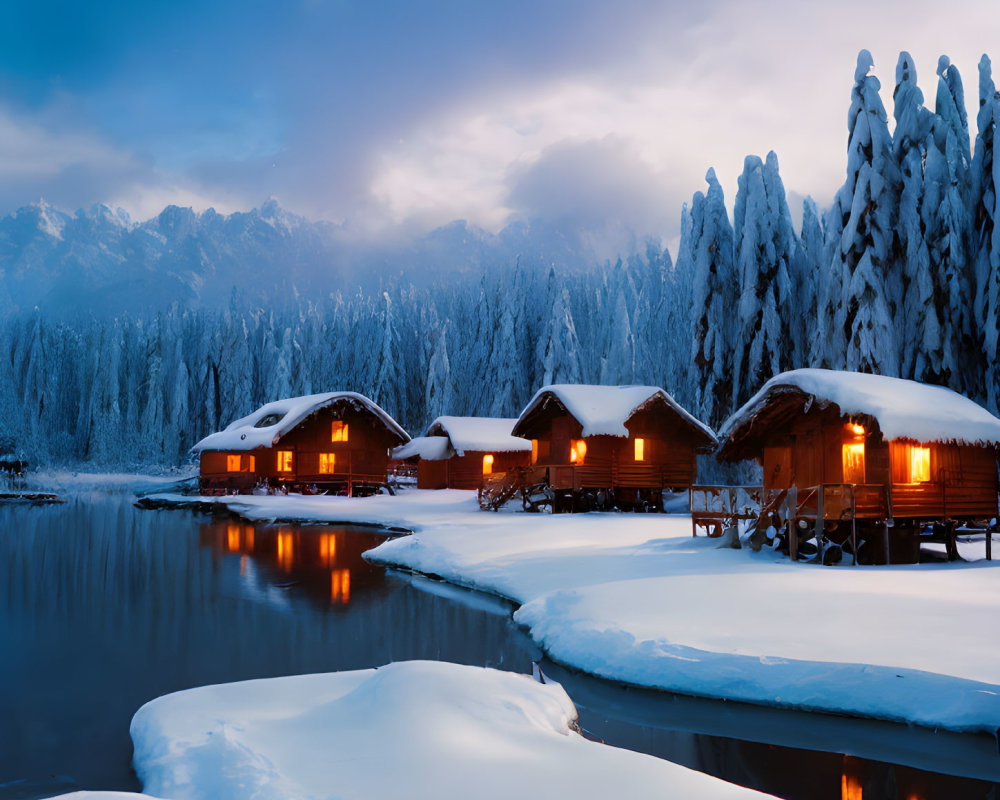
(268, 420)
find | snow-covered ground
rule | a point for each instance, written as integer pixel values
(414, 729)
(635, 598)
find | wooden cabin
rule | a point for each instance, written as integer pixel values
(607, 446)
(889, 455)
(336, 443)
(458, 452)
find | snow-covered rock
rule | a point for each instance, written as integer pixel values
(409, 729)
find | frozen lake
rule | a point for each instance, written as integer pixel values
(104, 607)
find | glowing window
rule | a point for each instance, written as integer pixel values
(488, 464)
(854, 462)
(326, 463)
(232, 463)
(338, 432)
(577, 451)
(640, 449)
(920, 464)
(534, 451)
(249, 463)
(284, 461)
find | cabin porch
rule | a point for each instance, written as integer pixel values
(891, 521)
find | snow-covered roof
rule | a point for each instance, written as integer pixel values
(429, 448)
(604, 410)
(244, 433)
(903, 409)
(488, 434)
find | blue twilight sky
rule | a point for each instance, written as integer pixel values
(398, 116)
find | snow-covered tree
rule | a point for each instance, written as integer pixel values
(765, 246)
(986, 236)
(862, 221)
(947, 226)
(916, 317)
(713, 301)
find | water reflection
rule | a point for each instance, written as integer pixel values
(321, 561)
(103, 607)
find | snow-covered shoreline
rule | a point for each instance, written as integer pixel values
(635, 599)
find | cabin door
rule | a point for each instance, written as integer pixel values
(777, 468)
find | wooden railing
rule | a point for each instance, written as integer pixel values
(715, 508)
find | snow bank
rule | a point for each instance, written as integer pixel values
(603, 410)
(635, 598)
(904, 409)
(410, 729)
(490, 434)
(720, 635)
(244, 433)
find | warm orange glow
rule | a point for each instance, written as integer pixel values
(233, 538)
(534, 451)
(920, 464)
(327, 548)
(850, 788)
(338, 432)
(284, 461)
(577, 451)
(854, 462)
(640, 449)
(286, 549)
(243, 565)
(327, 463)
(857, 430)
(488, 464)
(340, 586)
(235, 463)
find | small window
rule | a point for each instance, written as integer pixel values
(577, 451)
(640, 449)
(268, 420)
(534, 451)
(284, 461)
(488, 464)
(920, 464)
(338, 432)
(327, 463)
(232, 463)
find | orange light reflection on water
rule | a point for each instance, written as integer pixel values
(286, 549)
(327, 549)
(340, 586)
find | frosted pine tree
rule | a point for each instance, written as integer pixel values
(810, 258)
(947, 225)
(713, 302)
(985, 236)
(764, 249)
(558, 350)
(439, 395)
(916, 318)
(863, 218)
